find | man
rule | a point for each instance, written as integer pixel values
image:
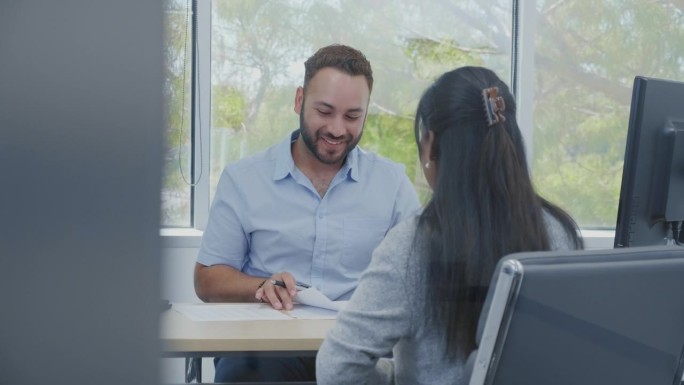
(310, 209)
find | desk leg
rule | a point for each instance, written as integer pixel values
(193, 369)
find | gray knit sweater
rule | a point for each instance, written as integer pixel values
(385, 315)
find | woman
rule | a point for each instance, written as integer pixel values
(420, 299)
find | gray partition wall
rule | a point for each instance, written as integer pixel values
(81, 125)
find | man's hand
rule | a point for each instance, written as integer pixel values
(279, 297)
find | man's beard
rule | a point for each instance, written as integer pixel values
(311, 140)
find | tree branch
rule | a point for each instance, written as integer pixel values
(679, 4)
(611, 89)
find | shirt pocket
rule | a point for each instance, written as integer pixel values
(361, 237)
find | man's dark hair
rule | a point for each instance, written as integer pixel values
(344, 58)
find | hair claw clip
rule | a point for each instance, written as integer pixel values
(494, 106)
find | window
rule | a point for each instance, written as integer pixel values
(176, 190)
(577, 60)
(258, 51)
(586, 55)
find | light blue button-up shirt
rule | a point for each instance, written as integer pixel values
(267, 217)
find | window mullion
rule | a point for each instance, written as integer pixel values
(525, 81)
(202, 117)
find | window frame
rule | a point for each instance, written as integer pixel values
(202, 119)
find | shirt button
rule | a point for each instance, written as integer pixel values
(320, 216)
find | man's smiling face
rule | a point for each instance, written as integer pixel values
(332, 112)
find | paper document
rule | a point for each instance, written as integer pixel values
(229, 312)
(313, 297)
(258, 311)
(310, 312)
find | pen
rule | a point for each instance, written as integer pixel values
(282, 284)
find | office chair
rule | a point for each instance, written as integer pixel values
(584, 317)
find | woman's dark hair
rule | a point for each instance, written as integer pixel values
(483, 205)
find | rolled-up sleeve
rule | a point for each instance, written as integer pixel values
(224, 240)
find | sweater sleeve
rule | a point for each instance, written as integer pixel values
(374, 320)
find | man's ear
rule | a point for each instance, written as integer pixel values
(299, 100)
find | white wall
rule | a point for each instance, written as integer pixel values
(177, 266)
(177, 269)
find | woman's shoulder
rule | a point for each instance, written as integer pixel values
(559, 239)
(403, 233)
(398, 244)
(406, 226)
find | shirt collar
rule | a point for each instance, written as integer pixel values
(285, 164)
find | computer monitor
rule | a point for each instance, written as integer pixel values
(651, 208)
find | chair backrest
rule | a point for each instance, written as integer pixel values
(584, 317)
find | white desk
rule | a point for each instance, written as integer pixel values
(182, 337)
